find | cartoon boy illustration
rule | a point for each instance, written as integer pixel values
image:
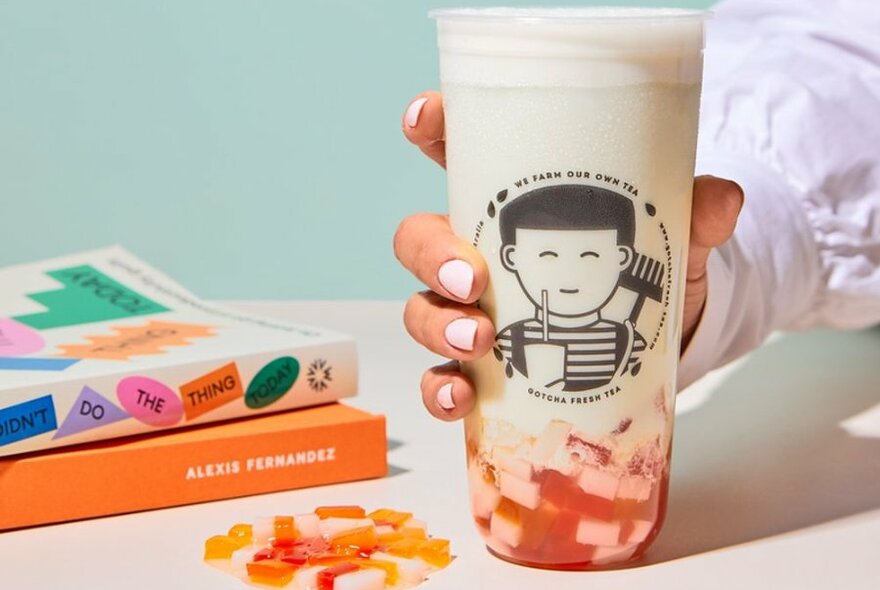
(568, 246)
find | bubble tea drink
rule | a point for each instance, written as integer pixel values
(570, 148)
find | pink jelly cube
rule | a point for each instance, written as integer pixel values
(598, 483)
(506, 530)
(638, 530)
(634, 487)
(365, 579)
(524, 493)
(614, 554)
(597, 532)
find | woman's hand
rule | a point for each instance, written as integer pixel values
(443, 318)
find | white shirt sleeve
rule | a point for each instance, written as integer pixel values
(791, 111)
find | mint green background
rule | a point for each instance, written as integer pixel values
(249, 148)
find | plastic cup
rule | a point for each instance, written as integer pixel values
(570, 142)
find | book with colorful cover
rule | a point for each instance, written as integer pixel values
(100, 345)
(327, 444)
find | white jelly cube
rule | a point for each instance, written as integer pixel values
(524, 493)
(506, 530)
(365, 579)
(640, 531)
(614, 554)
(263, 529)
(634, 487)
(598, 483)
(507, 461)
(384, 529)
(330, 527)
(239, 559)
(307, 524)
(410, 570)
(306, 578)
(554, 435)
(597, 532)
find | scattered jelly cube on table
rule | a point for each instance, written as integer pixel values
(267, 553)
(327, 577)
(242, 531)
(363, 538)
(406, 547)
(308, 524)
(340, 512)
(414, 533)
(284, 531)
(412, 571)
(435, 552)
(332, 526)
(263, 529)
(307, 577)
(273, 573)
(222, 546)
(239, 560)
(364, 579)
(389, 538)
(389, 567)
(414, 523)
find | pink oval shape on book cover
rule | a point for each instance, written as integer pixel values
(16, 339)
(149, 401)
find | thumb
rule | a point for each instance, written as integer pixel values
(716, 206)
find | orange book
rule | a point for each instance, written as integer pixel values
(295, 449)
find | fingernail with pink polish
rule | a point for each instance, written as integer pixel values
(457, 277)
(461, 333)
(444, 397)
(413, 111)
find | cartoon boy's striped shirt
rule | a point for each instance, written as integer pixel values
(593, 353)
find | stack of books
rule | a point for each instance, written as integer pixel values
(121, 391)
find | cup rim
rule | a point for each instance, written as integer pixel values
(569, 14)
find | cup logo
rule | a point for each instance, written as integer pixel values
(573, 250)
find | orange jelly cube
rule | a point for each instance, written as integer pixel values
(285, 531)
(435, 552)
(245, 532)
(363, 538)
(340, 512)
(391, 573)
(386, 539)
(405, 548)
(274, 573)
(413, 533)
(392, 517)
(536, 523)
(222, 546)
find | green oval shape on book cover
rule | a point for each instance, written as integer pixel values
(272, 382)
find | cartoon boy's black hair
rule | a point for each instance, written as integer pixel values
(569, 206)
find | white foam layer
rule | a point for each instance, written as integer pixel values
(569, 47)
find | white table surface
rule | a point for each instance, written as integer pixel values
(775, 481)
